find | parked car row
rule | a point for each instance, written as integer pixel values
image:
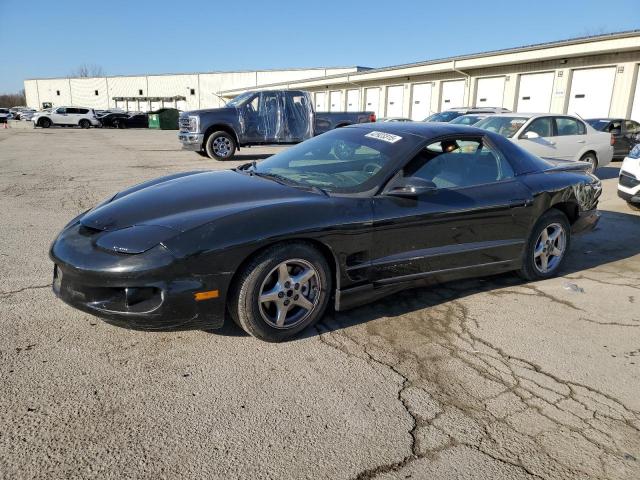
(88, 117)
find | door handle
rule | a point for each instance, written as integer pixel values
(519, 202)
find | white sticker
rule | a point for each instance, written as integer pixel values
(385, 137)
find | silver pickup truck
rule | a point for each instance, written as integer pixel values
(269, 117)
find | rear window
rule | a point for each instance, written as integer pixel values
(598, 123)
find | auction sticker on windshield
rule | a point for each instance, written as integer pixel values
(385, 137)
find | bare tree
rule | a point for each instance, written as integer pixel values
(88, 70)
(9, 100)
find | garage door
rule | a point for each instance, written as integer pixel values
(395, 99)
(132, 105)
(372, 100)
(421, 101)
(181, 105)
(490, 92)
(156, 106)
(335, 101)
(353, 100)
(120, 104)
(535, 92)
(591, 91)
(143, 105)
(635, 109)
(321, 102)
(452, 94)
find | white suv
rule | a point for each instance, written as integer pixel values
(82, 117)
(629, 180)
(562, 137)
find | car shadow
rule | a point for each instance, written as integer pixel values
(606, 173)
(587, 251)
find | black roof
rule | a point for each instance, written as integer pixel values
(421, 129)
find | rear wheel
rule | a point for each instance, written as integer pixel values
(590, 158)
(547, 246)
(84, 123)
(220, 146)
(44, 122)
(281, 292)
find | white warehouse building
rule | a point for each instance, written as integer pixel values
(591, 76)
(150, 92)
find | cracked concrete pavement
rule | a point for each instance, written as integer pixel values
(490, 378)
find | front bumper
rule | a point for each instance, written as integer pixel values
(629, 180)
(147, 291)
(586, 222)
(191, 141)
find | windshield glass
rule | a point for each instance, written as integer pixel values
(342, 160)
(467, 119)
(240, 99)
(505, 126)
(443, 116)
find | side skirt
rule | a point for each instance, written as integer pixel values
(356, 296)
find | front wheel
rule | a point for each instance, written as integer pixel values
(44, 122)
(592, 160)
(281, 292)
(220, 146)
(547, 246)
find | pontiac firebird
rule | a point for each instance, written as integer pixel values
(347, 217)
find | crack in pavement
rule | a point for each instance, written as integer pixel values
(527, 417)
(23, 289)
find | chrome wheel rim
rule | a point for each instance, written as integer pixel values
(221, 146)
(289, 294)
(550, 248)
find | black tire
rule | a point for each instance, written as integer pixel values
(220, 146)
(254, 278)
(531, 270)
(84, 123)
(634, 206)
(202, 153)
(591, 158)
(44, 122)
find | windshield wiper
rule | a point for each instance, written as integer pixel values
(289, 182)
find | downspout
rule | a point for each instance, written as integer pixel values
(467, 81)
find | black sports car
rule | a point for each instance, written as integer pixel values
(349, 216)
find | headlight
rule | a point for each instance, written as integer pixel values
(635, 151)
(194, 124)
(136, 239)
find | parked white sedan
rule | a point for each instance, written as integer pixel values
(562, 137)
(629, 180)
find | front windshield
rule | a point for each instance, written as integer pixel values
(467, 119)
(240, 99)
(443, 116)
(343, 160)
(505, 126)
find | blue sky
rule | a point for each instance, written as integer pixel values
(44, 38)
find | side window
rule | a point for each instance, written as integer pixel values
(459, 163)
(72, 110)
(615, 125)
(542, 126)
(569, 126)
(82, 110)
(61, 110)
(254, 104)
(269, 104)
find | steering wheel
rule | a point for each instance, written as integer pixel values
(371, 168)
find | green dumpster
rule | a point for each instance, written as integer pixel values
(164, 119)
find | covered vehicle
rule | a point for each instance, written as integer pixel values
(270, 117)
(349, 216)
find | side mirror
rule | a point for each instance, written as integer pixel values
(411, 187)
(531, 135)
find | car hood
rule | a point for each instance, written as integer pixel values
(189, 200)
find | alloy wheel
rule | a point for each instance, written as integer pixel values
(550, 248)
(221, 146)
(289, 293)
